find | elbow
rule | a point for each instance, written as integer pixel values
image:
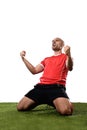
(33, 72)
(70, 68)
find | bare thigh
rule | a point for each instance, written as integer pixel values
(63, 106)
(26, 104)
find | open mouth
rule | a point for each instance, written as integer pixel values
(54, 44)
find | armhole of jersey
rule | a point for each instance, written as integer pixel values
(42, 65)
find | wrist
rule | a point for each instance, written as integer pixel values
(68, 54)
(22, 57)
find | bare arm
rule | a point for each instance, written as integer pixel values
(31, 68)
(69, 62)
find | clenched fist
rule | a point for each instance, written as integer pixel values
(67, 50)
(22, 54)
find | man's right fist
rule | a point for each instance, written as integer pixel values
(22, 54)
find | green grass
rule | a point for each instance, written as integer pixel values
(42, 118)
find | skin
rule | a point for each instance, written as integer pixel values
(62, 105)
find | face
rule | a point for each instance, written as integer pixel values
(57, 44)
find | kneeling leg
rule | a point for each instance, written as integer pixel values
(63, 106)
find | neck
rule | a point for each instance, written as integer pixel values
(57, 52)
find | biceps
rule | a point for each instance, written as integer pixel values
(39, 68)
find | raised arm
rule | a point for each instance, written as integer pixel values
(69, 62)
(31, 68)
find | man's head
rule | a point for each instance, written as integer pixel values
(57, 44)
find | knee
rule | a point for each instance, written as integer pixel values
(66, 111)
(19, 108)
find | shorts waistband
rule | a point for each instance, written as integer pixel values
(49, 86)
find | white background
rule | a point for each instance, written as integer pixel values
(31, 25)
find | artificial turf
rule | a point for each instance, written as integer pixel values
(42, 117)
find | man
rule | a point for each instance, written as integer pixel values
(51, 89)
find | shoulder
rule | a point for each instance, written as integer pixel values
(64, 55)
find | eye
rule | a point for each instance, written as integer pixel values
(57, 40)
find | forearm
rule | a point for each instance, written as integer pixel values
(69, 62)
(29, 66)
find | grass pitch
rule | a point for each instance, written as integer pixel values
(42, 117)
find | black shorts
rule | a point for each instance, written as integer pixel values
(45, 94)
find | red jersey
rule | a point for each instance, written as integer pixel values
(55, 70)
